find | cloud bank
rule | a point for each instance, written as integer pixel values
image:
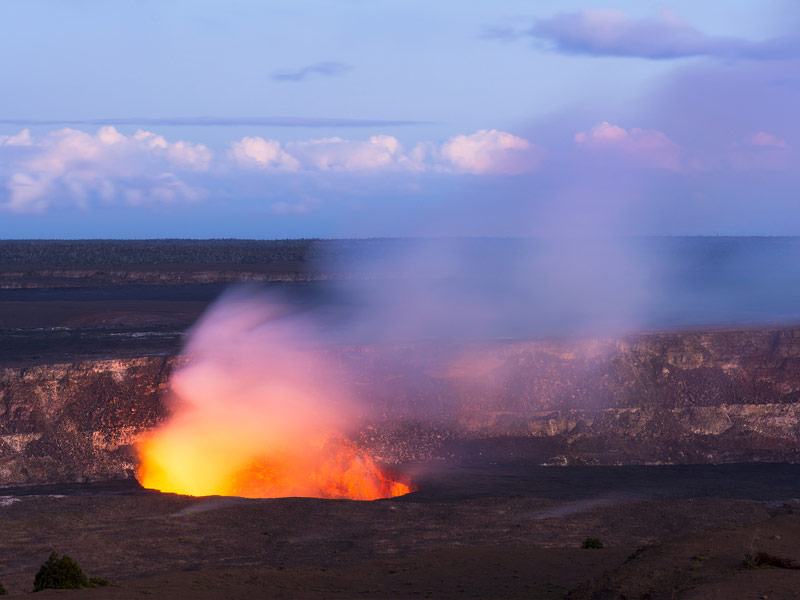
(485, 152)
(487, 181)
(667, 36)
(72, 167)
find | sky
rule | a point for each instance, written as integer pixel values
(369, 118)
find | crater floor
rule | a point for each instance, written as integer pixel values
(484, 531)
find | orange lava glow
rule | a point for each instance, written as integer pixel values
(334, 467)
(258, 411)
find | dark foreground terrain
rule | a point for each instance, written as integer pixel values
(486, 532)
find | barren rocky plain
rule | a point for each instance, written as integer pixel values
(677, 447)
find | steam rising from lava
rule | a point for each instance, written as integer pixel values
(257, 413)
(260, 410)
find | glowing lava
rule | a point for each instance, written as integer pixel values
(258, 410)
(330, 468)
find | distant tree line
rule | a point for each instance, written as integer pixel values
(109, 253)
(78, 253)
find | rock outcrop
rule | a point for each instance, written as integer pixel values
(697, 397)
(74, 422)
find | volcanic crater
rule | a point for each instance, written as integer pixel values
(677, 449)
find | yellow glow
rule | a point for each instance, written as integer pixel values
(197, 462)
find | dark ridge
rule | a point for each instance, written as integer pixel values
(701, 252)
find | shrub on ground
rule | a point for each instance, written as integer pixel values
(60, 573)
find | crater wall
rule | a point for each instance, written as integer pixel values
(698, 397)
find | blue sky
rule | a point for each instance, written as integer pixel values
(381, 117)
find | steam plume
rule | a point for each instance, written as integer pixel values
(257, 413)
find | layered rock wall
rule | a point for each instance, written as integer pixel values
(73, 422)
(721, 396)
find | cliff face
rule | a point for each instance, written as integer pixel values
(70, 422)
(721, 396)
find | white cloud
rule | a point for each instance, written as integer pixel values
(648, 147)
(336, 154)
(189, 156)
(165, 188)
(150, 139)
(23, 138)
(258, 152)
(26, 194)
(483, 152)
(490, 152)
(69, 166)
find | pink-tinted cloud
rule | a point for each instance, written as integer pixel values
(70, 166)
(646, 147)
(762, 152)
(23, 138)
(258, 152)
(379, 152)
(337, 154)
(486, 152)
(490, 152)
(767, 140)
(26, 193)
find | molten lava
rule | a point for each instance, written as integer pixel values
(259, 410)
(331, 468)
